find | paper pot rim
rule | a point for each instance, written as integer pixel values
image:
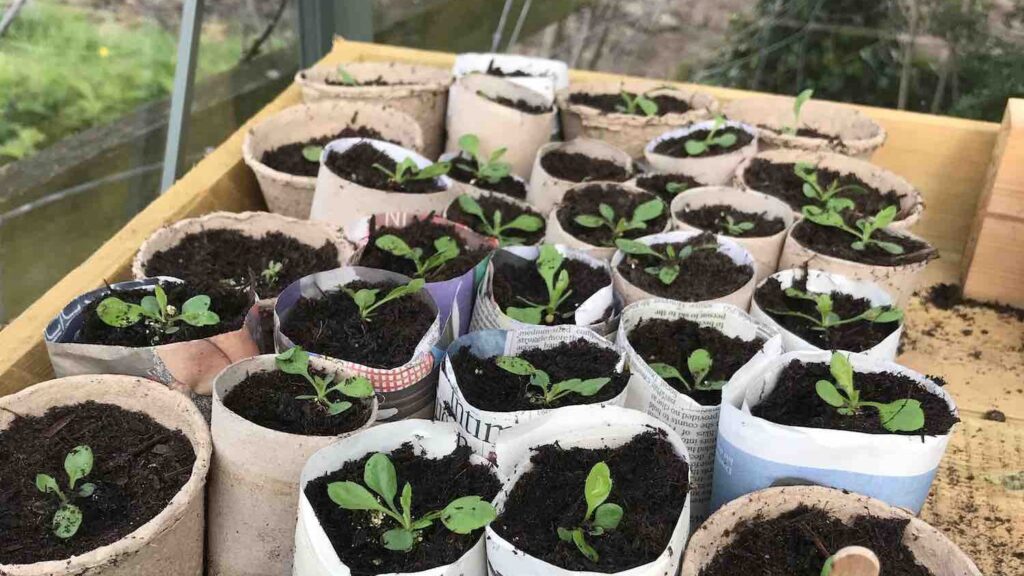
(863, 266)
(696, 127)
(588, 147)
(393, 151)
(429, 79)
(625, 187)
(771, 205)
(701, 103)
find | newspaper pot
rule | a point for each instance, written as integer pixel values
(419, 91)
(764, 249)
(257, 464)
(754, 453)
(477, 188)
(716, 169)
(929, 546)
(842, 128)
(292, 195)
(630, 132)
(546, 190)
(577, 427)
(171, 543)
(314, 553)
(819, 281)
(473, 110)
(408, 390)
(695, 423)
(539, 74)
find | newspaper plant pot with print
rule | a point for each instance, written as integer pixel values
(546, 190)
(715, 170)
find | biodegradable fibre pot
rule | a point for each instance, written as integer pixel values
(408, 390)
(546, 190)
(754, 453)
(292, 195)
(477, 191)
(929, 546)
(314, 553)
(842, 128)
(419, 91)
(716, 169)
(341, 202)
(538, 74)
(171, 543)
(590, 427)
(764, 249)
(482, 428)
(695, 423)
(630, 132)
(819, 281)
(473, 110)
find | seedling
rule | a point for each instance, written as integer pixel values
(68, 518)
(699, 364)
(490, 169)
(157, 312)
(899, 416)
(406, 171)
(607, 218)
(674, 188)
(671, 260)
(827, 318)
(296, 361)
(698, 147)
(312, 153)
(632, 102)
(445, 250)
(366, 298)
(549, 261)
(461, 516)
(494, 225)
(863, 228)
(826, 196)
(601, 516)
(798, 105)
(271, 272)
(734, 228)
(346, 78)
(549, 393)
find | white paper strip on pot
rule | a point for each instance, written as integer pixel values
(314, 553)
(754, 453)
(819, 281)
(713, 169)
(696, 424)
(408, 390)
(590, 427)
(546, 190)
(542, 74)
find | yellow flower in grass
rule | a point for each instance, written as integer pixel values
(103, 52)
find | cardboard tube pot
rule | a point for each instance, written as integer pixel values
(754, 453)
(419, 91)
(475, 189)
(765, 249)
(546, 190)
(713, 169)
(254, 480)
(845, 130)
(292, 195)
(695, 423)
(819, 281)
(538, 74)
(171, 543)
(929, 546)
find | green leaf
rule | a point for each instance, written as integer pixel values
(525, 315)
(668, 274)
(882, 315)
(589, 221)
(470, 206)
(397, 539)
(597, 487)
(648, 210)
(66, 521)
(885, 217)
(86, 490)
(827, 392)
(587, 387)
(379, 474)
(117, 313)
(356, 387)
(294, 360)
(78, 464)
(699, 364)
(607, 516)
(564, 535)
(890, 247)
(346, 78)
(515, 365)
(470, 143)
(695, 147)
(352, 496)
(606, 211)
(798, 104)
(335, 408)
(809, 190)
(675, 187)
(46, 484)
(549, 260)
(432, 171)
(636, 248)
(312, 153)
(196, 311)
(526, 223)
(466, 514)
(667, 371)
(725, 140)
(365, 297)
(842, 371)
(161, 298)
(151, 308)
(405, 501)
(582, 546)
(393, 245)
(647, 106)
(901, 415)
(826, 568)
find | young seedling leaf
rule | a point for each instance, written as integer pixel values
(828, 392)
(66, 521)
(78, 464)
(607, 516)
(901, 415)
(597, 488)
(466, 514)
(515, 365)
(352, 496)
(379, 474)
(398, 539)
(312, 153)
(525, 315)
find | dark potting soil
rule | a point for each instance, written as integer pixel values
(794, 401)
(490, 203)
(212, 258)
(464, 170)
(231, 305)
(269, 400)
(518, 280)
(289, 158)
(331, 325)
(649, 481)
(138, 467)
(835, 242)
(676, 147)
(798, 542)
(672, 342)
(951, 296)
(587, 200)
(576, 167)
(435, 483)
(779, 180)
(658, 184)
(357, 165)
(610, 103)
(713, 219)
(516, 103)
(495, 70)
(378, 81)
(488, 387)
(856, 336)
(705, 275)
(420, 233)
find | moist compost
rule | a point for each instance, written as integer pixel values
(856, 336)
(435, 483)
(615, 104)
(490, 203)
(780, 180)
(421, 233)
(289, 158)
(331, 325)
(705, 275)
(588, 199)
(138, 467)
(268, 399)
(494, 70)
(798, 542)
(213, 259)
(837, 243)
(378, 81)
(228, 303)
(676, 147)
(516, 279)
(357, 165)
(714, 218)
(515, 103)
(488, 387)
(794, 401)
(649, 481)
(951, 296)
(576, 167)
(464, 170)
(672, 342)
(658, 184)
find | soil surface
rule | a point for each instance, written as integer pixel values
(835, 242)
(951, 296)
(464, 170)
(331, 325)
(576, 167)
(588, 199)
(794, 401)
(516, 103)
(488, 387)
(421, 233)
(676, 147)
(649, 481)
(705, 275)
(780, 180)
(138, 467)
(435, 483)
(672, 342)
(798, 542)
(357, 165)
(713, 219)
(610, 103)
(517, 278)
(658, 184)
(490, 203)
(289, 158)
(269, 400)
(495, 70)
(378, 81)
